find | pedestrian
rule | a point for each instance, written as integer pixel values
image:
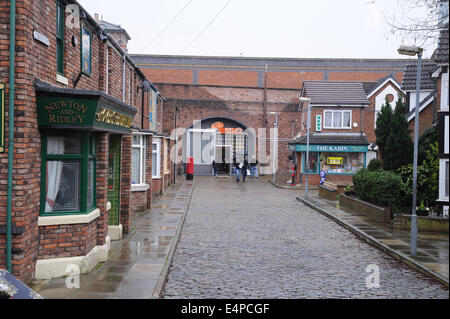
(234, 164)
(215, 167)
(244, 166)
(254, 169)
(237, 170)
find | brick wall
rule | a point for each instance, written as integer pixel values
(36, 60)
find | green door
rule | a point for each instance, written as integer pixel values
(114, 178)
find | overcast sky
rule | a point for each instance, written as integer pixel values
(255, 28)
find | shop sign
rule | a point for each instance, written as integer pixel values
(2, 117)
(318, 123)
(227, 130)
(71, 113)
(85, 51)
(335, 160)
(333, 148)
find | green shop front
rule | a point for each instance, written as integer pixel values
(81, 134)
(338, 156)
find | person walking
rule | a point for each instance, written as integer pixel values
(293, 172)
(215, 167)
(254, 169)
(244, 167)
(237, 169)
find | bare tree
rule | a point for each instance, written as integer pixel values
(418, 21)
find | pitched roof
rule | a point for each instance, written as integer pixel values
(370, 87)
(335, 93)
(110, 27)
(410, 76)
(333, 139)
(442, 51)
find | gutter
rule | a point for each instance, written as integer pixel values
(12, 54)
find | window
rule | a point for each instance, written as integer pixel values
(138, 160)
(156, 158)
(311, 167)
(338, 119)
(59, 38)
(68, 174)
(342, 163)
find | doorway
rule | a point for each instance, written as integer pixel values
(114, 178)
(223, 159)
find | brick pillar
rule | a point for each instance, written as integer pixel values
(148, 173)
(102, 152)
(125, 183)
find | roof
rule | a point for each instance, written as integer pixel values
(371, 87)
(333, 139)
(442, 51)
(110, 27)
(335, 93)
(429, 98)
(410, 76)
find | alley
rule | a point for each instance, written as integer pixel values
(252, 240)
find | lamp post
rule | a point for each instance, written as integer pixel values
(275, 146)
(412, 51)
(308, 126)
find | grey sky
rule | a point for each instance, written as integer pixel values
(257, 28)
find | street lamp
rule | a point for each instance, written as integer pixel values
(275, 146)
(412, 51)
(308, 125)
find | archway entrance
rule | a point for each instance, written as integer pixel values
(218, 139)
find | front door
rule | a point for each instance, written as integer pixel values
(114, 178)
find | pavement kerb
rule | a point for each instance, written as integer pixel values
(297, 188)
(163, 277)
(374, 242)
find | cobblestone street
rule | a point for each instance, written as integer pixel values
(252, 240)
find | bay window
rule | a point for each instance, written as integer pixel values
(68, 174)
(138, 160)
(156, 158)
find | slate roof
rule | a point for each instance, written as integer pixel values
(410, 76)
(442, 51)
(110, 27)
(369, 87)
(333, 139)
(335, 93)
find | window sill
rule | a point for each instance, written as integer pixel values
(156, 177)
(68, 219)
(140, 187)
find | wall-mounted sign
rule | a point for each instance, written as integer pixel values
(152, 116)
(226, 130)
(41, 38)
(335, 160)
(85, 51)
(2, 118)
(318, 123)
(111, 171)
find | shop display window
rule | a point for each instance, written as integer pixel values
(342, 163)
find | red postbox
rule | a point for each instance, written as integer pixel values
(190, 168)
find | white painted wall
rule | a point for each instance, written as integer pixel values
(412, 98)
(370, 155)
(444, 91)
(381, 99)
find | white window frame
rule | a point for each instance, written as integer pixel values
(142, 153)
(332, 119)
(157, 141)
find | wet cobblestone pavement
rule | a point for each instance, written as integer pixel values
(252, 240)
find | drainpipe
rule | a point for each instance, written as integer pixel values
(12, 54)
(124, 78)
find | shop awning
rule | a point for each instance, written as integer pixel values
(64, 108)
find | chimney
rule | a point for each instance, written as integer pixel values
(96, 17)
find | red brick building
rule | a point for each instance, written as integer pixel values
(255, 93)
(85, 125)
